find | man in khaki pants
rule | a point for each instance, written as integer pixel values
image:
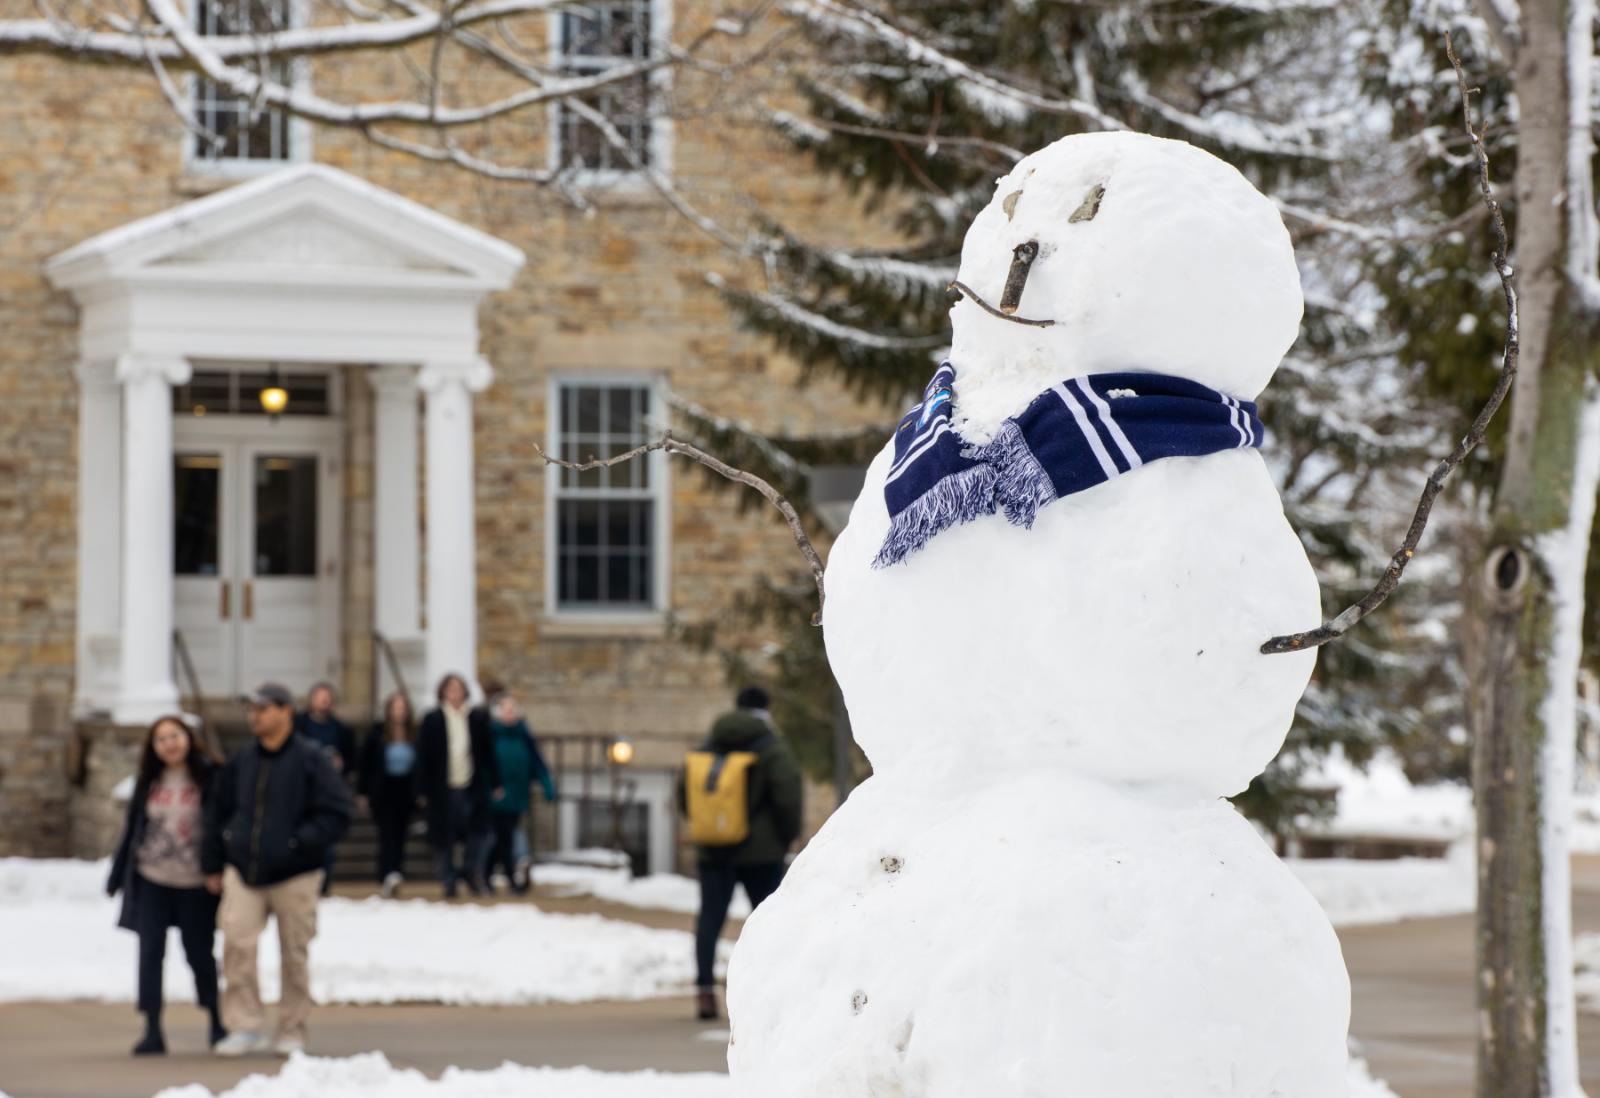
(277, 807)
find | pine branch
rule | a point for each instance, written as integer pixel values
(1338, 626)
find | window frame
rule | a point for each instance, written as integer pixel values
(660, 492)
(299, 130)
(659, 148)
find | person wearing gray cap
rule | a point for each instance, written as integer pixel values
(277, 806)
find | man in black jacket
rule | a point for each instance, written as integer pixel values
(757, 863)
(277, 807)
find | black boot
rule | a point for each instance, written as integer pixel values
(706, 1005)
(152, 1043)
(218, 1031)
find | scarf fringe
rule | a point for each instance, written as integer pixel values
(1021, 484)
(954, 500)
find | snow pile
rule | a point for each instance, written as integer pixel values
(658, 891)
(372, 1076)
(366, 951)
(1361, 891)
(1379, 800)
(1363, 1085)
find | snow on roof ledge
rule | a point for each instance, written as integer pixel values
(424, 236)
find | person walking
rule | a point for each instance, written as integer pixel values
(157, 871)
(457, 774)
(388, 785)
(741, 792)
(277, 807)
(318, 723)
(521, 764)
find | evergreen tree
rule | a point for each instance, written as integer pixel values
(918, 108)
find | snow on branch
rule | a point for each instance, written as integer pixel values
(1583, 233)
(268, 93)
(1343, 622)
(827, 327)
(1228, 129)
(994, 96)
(57, 36)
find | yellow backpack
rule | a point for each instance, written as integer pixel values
(717, 796)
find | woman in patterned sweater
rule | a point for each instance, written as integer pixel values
(157, 870)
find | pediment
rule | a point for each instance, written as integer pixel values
(309, 222)
(307, 237)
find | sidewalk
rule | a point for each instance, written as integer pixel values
(1412, 1007)
(80, 1050)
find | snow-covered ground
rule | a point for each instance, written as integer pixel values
(366, 951)
(371, 1076)
(1356, 892)
(1380, 800)
(661, 891)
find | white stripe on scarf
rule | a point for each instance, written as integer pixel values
(1107, 466)
(1128, 452)
(916, 451)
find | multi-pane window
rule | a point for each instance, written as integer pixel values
(249, 131)
(592, 38)
(606, 519)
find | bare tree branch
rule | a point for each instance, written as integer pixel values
(670, 444)
(1338, 626)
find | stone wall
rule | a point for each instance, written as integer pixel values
(34, 793)
(615, 284)
(111, 756)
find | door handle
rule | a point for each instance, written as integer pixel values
(227, 600)
(249, 601)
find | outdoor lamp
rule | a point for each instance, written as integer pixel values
(274, 397)
(620, 752)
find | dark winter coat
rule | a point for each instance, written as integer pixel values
(274, 814)
(124, 876)
(433, 773)
(334, 736)
(775, 798)
(520, 766)
(373, 780)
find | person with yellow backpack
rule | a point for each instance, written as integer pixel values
(741, 794)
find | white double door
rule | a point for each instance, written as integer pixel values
(256, 551)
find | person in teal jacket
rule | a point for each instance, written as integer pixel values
(520, 766)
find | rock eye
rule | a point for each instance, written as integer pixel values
(1089, 206)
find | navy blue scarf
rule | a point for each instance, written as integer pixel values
(1078, 434)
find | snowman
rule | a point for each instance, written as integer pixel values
(1046, 615)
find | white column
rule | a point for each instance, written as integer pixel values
(397, 601)
(147, 689)
(452, 643)
(99, 534)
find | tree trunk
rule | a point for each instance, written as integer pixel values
(1529, 603)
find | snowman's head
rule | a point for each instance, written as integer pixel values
(1152, 255)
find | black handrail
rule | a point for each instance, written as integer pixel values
(207, 733)
(380, 644)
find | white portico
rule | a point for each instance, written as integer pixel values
(305, 270)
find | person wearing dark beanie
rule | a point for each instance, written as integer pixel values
(754, 698)
(743, 748)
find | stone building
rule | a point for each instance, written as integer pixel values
(166, 542)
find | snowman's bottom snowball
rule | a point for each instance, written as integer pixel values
(1037, 937)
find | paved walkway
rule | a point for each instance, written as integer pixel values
(79, 1050)
(1412, 997)
(1412, 1013)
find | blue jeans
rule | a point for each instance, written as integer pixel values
(717, 883)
